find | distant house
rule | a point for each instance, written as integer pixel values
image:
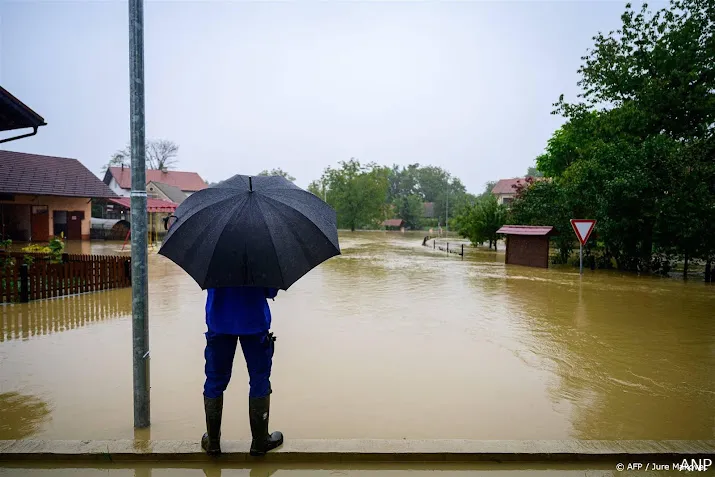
(428, 211)
(159, 190)
(119, 180)
(45, 196)
(505, 189)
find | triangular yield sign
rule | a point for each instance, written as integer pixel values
(583, 229)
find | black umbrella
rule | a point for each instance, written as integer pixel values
(251, 231)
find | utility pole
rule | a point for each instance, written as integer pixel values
(447, 213)
(140, 319)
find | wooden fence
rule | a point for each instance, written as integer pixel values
(20, 282)
(445, 246)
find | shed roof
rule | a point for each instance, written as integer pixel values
(393, 223)
(526, 230)
(14, 114)
(32, 174)
(186, 181)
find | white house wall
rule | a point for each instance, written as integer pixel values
(114, 185)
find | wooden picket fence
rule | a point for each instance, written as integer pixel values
(76, 274)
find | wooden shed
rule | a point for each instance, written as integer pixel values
(393, 224)
(527, 244)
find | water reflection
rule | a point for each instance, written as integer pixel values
(167, 469)
(391, 340)
(634, 355)
(44, 317)
(21, 415)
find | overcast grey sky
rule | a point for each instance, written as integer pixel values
(243, 86)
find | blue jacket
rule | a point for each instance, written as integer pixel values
(239, 310)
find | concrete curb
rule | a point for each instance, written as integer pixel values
(361, 450)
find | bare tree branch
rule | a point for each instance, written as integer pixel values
(160, 155)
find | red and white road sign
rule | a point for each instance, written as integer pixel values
(583, 229)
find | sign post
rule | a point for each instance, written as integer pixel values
(583, 229)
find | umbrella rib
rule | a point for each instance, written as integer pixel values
(195, 211)
(301, 213)
(293, 231)
(213, 249)
(270, 234)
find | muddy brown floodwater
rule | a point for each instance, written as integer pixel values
(391, 340)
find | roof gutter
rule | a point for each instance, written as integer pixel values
(22, 136)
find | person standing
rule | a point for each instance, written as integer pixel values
(233, 315)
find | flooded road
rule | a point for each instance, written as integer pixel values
(391, 340)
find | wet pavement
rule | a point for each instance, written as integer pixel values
(367, 470)
(391, 340)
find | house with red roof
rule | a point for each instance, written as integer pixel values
(119, 180)
(505, 189)
(45, 196)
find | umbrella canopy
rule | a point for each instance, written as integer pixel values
(251, 231)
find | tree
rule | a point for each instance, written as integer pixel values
(534, 172)
(317, 188)
(545, 203)
(488, 187)
(479, 222)
(636, 152)
(277, 172)
(662, 62)
(403, 182)
(410, 208)
(357, 192)
(439, 187)
(160, 155)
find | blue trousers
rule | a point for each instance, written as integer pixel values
(220, 350)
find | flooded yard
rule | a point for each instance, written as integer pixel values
(390, 340)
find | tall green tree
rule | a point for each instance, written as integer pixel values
(410, 208)
(634, 152)
(546, 203)
(277, 172)
(480, 221)
(438, 186)
(357, 192)
(403, 182)
(534, 172)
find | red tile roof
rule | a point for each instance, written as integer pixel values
(525, 230)
(186, 181)
(508, 186)
(152, 205)
(32, 174)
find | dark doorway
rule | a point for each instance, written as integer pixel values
(59, 220)
(40, 223)
(15, 222)
(74, 225)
